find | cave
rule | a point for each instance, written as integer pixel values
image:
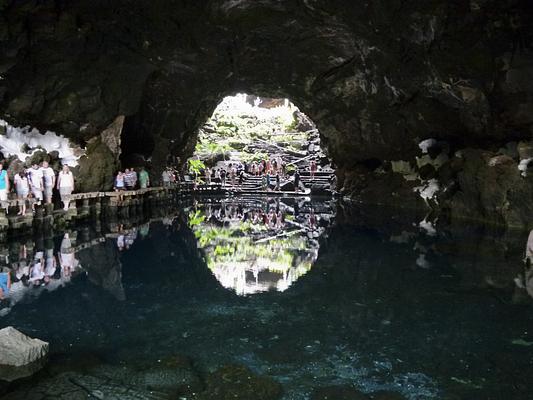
(424, 114)
(376, 79)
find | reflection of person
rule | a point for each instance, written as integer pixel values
(50, 264)
(527, 281)
(66, 256)
(165, 177)
(120, 242)
(36, 272)
(4, 186)
(5, 284)
(65, 184)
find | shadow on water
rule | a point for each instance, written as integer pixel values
(320, 299)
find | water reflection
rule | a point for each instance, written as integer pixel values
(524, 281)
(254, 246)
(28, 270)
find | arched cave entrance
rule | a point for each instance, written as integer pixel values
(258, 135)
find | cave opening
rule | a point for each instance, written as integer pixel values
(248, 137)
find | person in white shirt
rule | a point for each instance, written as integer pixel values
(65, 185)
(49, 180)
(36, 183)
(22, 187)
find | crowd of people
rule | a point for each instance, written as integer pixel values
(130, 179)
(37, 182)
(170, 176)
(272, 172)
(272, 215)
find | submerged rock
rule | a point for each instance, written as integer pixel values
(72, 386)
(238, 382)
(351, 393)
(338, 393)
(20, 355)
(386, 395)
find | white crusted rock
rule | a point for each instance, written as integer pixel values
(20, 355)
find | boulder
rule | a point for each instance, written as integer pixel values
(20, 355)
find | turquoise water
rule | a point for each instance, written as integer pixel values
(292, 293)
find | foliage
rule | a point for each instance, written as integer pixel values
(196, 218)
(237, 127)
(196, 166)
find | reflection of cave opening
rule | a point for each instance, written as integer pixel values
(256, 245)
(248, 137)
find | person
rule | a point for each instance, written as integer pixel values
(65, 185)
(232, 176)
(144, 178)
(278, 183)
(296, 181)
(264, 182)
(128, 179)
(208, 175)
(4, 186)
(119, 181)
(223, 176)
(49, 180)
(267, 180)
(165, 177)
(22, 187)
(312, 168)
(134, 177)
(36, 184)
(241, 178)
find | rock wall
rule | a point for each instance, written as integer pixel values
(376, 77)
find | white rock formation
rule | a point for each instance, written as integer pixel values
(18, 350)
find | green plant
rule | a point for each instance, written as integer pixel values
(196, 166)
(196, 218)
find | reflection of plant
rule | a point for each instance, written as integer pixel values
(196, 218)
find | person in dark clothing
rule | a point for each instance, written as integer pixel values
(278, 183)
(296, 181)
(241, 177)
